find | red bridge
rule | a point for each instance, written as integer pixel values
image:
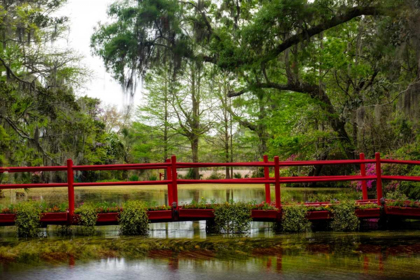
(178, 213)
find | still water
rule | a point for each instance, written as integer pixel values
(158, 194)
(321, 255)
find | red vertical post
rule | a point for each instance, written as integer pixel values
(169, 177)
(70, 187)
(267, 177)
(363, 173)
(174, 183)
(378, 177)
(277, 181)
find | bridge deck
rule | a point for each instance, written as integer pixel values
(61, 218)
(177, 213)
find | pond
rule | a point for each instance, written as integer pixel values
(326, 255)
(186, 193)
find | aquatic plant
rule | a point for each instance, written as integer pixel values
(294, 219)
(27, 219)
(134, 220)
(345, 218)
(233, 217)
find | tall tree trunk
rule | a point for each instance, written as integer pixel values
(165, 125)
(226, 129)
(195, 125)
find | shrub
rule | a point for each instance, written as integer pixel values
(133, 178)
(134, 219)
(27, 219)
(345, 218)
(87, 219)
(233, 217)
(294, 219)
(237, 175)
(215, 176)
(153, 178)
(190, 174)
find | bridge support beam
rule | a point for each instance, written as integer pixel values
(70, 188)
(174, 182)
(277, 181)
(169, 177)
(363, 173)
(378, 178)
(267, 186)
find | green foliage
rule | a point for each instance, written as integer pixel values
(237, 176)
(134, 220)
(201, 204)
(153, 178)
(233, 217)
(190, 174)
(367, 206)
(27, 219)
(107, 207)
(294, 219)
(345, 218)
(262, 206)
(215, 176)
(133, 178)
(87, 219)
(403, 203)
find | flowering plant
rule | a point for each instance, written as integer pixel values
(157, 208)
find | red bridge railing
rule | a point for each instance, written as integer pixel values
(171, 166)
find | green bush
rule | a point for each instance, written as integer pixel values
(233, 217)
(345, 218)
(133, 178)
(27, 219)
(294, 219)
(153, 178)
(190, 174)
(216, 176)
(237, 175)
(133, 219)
(87, 219)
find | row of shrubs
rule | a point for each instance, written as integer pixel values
(229, 217)
(133, 220)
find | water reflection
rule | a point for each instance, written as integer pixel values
(158, 194)
(385, 255)
(194, 229)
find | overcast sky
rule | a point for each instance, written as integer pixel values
(84, 15)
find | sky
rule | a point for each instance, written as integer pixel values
(84, 15)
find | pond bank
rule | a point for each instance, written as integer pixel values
(212, 247)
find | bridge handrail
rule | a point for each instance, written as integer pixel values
(172, 181)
